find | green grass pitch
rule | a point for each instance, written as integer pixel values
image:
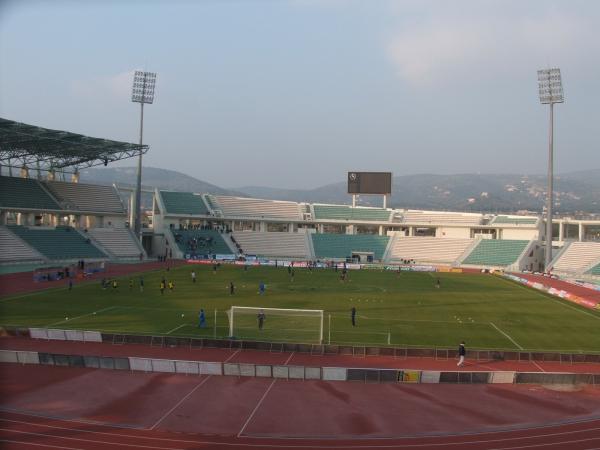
(403, 309)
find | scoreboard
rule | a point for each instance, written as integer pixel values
(370, 183)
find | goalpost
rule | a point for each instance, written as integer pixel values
(279, 324)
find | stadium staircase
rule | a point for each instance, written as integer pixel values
(15, 250)
(60, 243)
(213, 206)
(25, 194)
(341, 246)
(577, 258)
(496, 253)
(280, 245)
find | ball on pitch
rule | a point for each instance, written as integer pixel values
(182, 315)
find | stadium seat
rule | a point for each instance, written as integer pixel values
(119, 242)
(339, 212)
(25, 193)
(86, 197)
(288, 245)
(183, 203)
(201, 242)
(342, 245)
(440, 217)
(496, 252)
(14, 249)
(577, 257)
(58, 243)
(257, 208)
(428, 249)
(514, 220)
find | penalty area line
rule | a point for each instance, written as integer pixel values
(507, 336)
(178, 327)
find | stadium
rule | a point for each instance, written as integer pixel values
(138, 316)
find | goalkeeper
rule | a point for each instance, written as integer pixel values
(261, 319)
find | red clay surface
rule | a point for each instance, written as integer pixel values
(300, 359)
(70, 408)
(22, 282)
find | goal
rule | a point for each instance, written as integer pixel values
(283, 325)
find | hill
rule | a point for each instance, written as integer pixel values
(576, 192)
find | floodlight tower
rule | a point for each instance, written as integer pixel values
(551, 92)
(142, 92)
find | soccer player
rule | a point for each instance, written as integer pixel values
(261, 288)
(141, 284)
(261, 319)
(70, 284)
(353, 316)
(461, 354)
(171, 285)
(437, 283)
(231, 288)
(162, 287)
(115, 285)
(201, 319)
(130, 284)
(193, 276)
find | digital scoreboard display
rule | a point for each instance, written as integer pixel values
(370, 183)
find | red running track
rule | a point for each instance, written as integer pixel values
(100, 409)
(22, 282)
(300, 359)
(579, 291)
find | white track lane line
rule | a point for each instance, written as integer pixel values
(287, 361)
(507, 336)
(179, 403)
(232, 355)
(256, 407)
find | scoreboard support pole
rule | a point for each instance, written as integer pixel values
(354, 200)
(385, 201)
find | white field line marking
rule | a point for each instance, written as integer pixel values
(232, 355)
(507, 336)
(83, 315)
(256, 407)
(119, 444)
(9, 441)
(179, 403)
(177, 328)
(490, 440)
(538, 366)
(289, 359)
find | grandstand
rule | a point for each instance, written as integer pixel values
(15, 250)
(577, 257)
(348, 213)
(277, 245)
(514, 220)
(201, 242)
(496, 252)
(86, 197)
(25, 194)
(253, 207)
(60, 243)
(440, 217)
(119, 243)
(342, 246)
(428, 249)
(183, 203)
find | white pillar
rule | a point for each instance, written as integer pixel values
(580, 231)
(561, 234)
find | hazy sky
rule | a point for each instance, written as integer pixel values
(295, 93)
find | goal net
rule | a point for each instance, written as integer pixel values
(284, 325)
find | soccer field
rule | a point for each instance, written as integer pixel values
(406, 309)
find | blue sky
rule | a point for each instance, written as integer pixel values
(295, 93)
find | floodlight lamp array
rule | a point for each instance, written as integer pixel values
(143, 87)
(550, 86)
